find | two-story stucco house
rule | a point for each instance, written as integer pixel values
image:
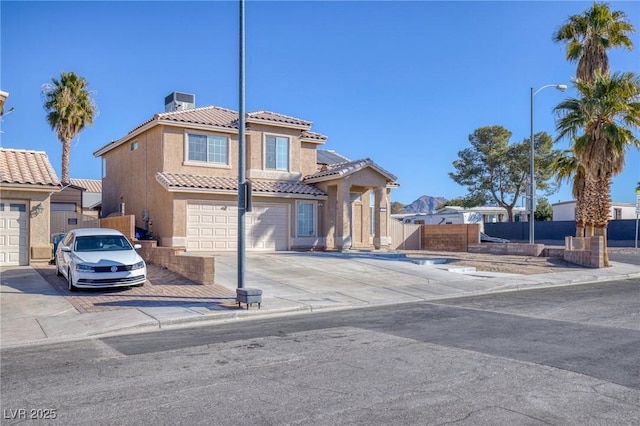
(178, 174)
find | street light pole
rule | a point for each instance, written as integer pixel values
(242, 179)
(532, 175)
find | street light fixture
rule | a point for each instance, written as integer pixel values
(532, 177)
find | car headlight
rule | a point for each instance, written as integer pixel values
(138, 265)
(84, 268)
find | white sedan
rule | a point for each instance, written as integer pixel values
(97, 258)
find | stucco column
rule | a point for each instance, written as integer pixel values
(382, 212)
(343, 216)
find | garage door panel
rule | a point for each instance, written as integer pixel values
(14, 233)
(215, 227)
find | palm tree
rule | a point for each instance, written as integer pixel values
(608, 110)
(590, 35)
(69, 108)
(568, 168)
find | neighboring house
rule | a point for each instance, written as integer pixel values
(566, 210)
(489, 214)
(178, 174)
(80, 196)
(460, 215)
(27, 181)
(91, 196)
(77, 205)
(446, 218)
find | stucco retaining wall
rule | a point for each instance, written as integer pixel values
(198, 268)
(587, 252)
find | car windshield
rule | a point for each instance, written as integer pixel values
(102, 243)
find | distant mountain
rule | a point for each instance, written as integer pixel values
(424, 204)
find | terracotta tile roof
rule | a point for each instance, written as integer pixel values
(222, 118)
(177, 181)
(91, 185)
(278, 118)
(210, 116)
(347, 168)
(19, 166)
(313, 136)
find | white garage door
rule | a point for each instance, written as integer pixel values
(213, 227)
(14, 233)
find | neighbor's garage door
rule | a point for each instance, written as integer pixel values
(14, 233)
(213, 227)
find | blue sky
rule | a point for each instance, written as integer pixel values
(404, 83)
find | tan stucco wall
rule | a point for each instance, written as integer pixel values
(130, 176)
(308, 158)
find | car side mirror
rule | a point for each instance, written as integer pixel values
(66, 249)
(137, 246)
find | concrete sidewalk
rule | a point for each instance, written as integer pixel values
(34, 311)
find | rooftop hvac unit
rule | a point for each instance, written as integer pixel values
(179, 102)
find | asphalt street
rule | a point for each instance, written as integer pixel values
(566, 355)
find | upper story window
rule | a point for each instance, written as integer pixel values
(208, 148)
(276, 153)
(134, 145)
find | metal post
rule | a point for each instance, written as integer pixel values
(532, 187)
(242, 205)
(532, 180)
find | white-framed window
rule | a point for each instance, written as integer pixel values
(207, 148)
(276, 150)
(104, 167)
(134, 145)
(306, 215)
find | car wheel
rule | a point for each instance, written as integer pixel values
(70, 281)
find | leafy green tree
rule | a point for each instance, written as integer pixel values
(69, 108)
(544, 211)
(608, 110)
(588, 37)
(494, 170)
(397, 208)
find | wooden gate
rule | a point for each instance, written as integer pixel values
(404, 236)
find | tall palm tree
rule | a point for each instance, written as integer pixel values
(69, 108)
(608, 110)
(568, 168)
(590, 35)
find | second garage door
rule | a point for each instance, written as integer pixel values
(213, 227)
(14, 233)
